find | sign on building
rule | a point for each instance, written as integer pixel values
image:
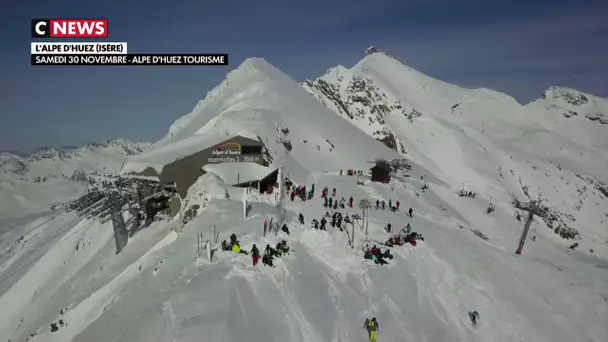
(233, 152)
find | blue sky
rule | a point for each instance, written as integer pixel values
(518, 47)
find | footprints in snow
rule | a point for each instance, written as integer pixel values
(156, 268)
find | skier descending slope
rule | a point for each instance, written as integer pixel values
(474, 316)
(371, 327)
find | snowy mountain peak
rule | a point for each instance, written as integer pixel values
(121, 146)
(448, 129)
(575, 105)
(11, 163)
(56, 163)
(570, 96)
(255, 68)
(259, 70)
(380, 57)
(118, 146)
(359, 99)
(49, 153)
(258, 101)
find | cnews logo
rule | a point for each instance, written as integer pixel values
(69, 28)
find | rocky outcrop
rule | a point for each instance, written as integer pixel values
(572, 103)
(359, 100)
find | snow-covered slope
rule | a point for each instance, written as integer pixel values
(481, 139)
(50, 176)
(573, 114)
(158, 290)
(60, 279)
(260, 102)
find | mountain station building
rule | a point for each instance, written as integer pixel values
(183, 162)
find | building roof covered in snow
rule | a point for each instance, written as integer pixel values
(160, 156)
(239, 173)
(384, 166)
(181, 161)
(145, 178)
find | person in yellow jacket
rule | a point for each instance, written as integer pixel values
(371, 327)
(237, 249)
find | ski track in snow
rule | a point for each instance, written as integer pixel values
(172, 327)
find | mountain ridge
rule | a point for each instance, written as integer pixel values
(258, 101)
(72, 163)
(45, 152)
(62, 280)
(470, 136)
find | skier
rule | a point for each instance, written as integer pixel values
(265, 226)
(326, 202)
(383, 205)
(390, 203)
(377, 203)
(411, 212)
(474, 316)
(350, 201)
(371, 327)
(334, 192)
(255, 254)
(301, 218)
(388, 228)
(285, 229)
(397, 204)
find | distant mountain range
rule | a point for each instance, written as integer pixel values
(57, 162)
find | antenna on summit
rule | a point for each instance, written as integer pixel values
(371, 49)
